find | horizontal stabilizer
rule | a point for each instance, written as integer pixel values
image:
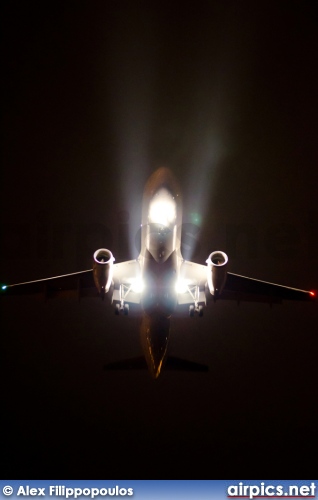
(138, 363)
(172, 363)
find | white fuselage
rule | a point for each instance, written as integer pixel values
(160, 260)
(160, 256)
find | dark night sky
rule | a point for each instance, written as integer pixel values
(96, 96)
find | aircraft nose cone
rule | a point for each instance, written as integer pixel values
(154, 337)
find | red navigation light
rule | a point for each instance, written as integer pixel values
(312, 294)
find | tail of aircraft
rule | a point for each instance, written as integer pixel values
(172, 364)
(154, 335)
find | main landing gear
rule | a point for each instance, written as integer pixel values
(122, 307)
(195, 308)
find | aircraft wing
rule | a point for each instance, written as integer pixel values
(237, 287)
(127, 276)
(81, 284)
(192, 275)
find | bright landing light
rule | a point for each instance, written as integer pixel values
(181, 285)
(162, 209)
(138, 285)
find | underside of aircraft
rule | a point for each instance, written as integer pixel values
(159, 281)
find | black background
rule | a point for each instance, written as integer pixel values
(96, 96)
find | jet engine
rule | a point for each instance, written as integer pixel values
(103, 270)
(217, 264)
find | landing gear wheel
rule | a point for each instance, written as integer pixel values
(117, 309)
(126, 309)
(200, 311)
(191, 311)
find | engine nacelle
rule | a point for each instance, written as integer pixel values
(103, 270)
(217, 264)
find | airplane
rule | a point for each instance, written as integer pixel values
(160, 281)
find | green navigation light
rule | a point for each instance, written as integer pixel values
(196, 218)
(4, 287)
